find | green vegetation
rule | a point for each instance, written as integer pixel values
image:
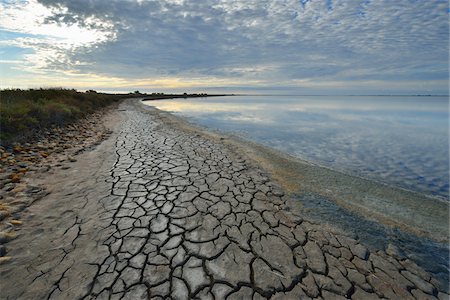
(24, 112)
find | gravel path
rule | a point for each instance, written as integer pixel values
(159, 211)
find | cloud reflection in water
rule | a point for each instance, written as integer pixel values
(398, 140)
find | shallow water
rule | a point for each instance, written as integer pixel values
(401, 141)
(427, 253)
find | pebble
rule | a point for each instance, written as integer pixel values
(24, 159)
(15, 222)
(5, 259)
(9, 186)
(6, 237)
(15, 178)
(3, 215)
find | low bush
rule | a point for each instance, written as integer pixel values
(25, 112)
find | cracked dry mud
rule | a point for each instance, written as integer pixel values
(158, 211)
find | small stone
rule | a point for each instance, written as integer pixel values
(15, 178)
(9, 186)
(5, 259)
(15, 222)
(17, 149)
(6, 237)
(2, 251)
(3, 215)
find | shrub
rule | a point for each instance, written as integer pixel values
(23, 112)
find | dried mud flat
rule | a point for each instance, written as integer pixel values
(161, 210)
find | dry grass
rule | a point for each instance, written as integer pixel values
(25, 112)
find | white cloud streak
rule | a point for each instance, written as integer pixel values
(272, 43)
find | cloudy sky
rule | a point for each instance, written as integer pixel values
(255, 46)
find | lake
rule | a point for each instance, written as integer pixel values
(398, 140)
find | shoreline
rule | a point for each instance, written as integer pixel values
(182, 96)
(311, 186)
(168, 209)
(287, 170)
(408, 186)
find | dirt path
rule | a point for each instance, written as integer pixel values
(157, 211)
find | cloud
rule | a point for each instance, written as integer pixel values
(267, 43)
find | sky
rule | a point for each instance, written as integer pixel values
(230, 46)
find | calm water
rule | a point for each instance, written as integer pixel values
(402, 141)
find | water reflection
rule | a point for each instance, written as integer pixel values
(398, 140)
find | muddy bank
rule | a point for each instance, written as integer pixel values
(161, 209)
(380, 215)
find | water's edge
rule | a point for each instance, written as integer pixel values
(376, 213)
(399, 142)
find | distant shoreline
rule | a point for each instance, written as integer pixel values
(176, 96)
